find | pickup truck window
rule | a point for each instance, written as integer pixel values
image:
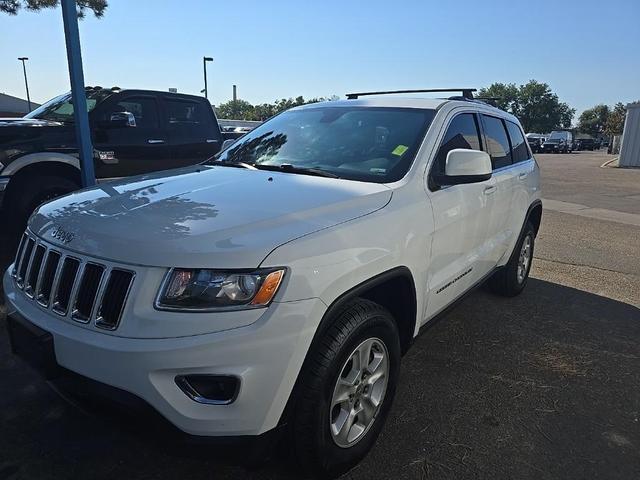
(185, 112)
(60, 108)
(144, 109)
(357, 143)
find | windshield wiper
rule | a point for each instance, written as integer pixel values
(287, 167)
(231, 164)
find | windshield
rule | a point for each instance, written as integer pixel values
(357, 143)
(60, 109)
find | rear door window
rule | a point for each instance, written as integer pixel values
(462, 132)
(519, 149)
(497, 141)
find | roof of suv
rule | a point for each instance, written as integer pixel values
(404, 102)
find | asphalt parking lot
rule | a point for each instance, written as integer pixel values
(544, 386)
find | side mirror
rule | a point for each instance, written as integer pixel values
(227, 143)
(122, 119)
(465, 166)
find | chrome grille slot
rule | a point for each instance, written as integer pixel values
(34, 270)
(113, 298)
(87, 291)
(72, 286)
(23, 241)
(66, 282)
(24, 261)
(48, 275)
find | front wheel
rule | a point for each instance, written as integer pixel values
(27, 195)
(347, 386)
(511, 279)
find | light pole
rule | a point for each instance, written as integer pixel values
(204, 66)
(26, 84)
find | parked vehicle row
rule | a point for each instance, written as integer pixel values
(559, 141)
(270, 293)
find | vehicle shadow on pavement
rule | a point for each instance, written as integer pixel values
(544, 385)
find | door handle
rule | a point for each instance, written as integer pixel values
(490, 190)
(523, 175)
(154, 141)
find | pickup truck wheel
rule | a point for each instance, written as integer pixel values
(347, 386)
(27, 196)
(511, 279)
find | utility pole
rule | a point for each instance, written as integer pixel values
(26, 83)
(204, 67)
(235, 95)
(74, 58)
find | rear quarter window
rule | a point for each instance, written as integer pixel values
(519, 148)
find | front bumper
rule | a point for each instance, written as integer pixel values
(266, 356)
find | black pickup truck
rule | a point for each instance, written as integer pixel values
(133, 132)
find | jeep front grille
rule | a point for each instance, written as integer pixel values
(83, 290)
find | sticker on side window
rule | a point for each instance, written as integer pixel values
(399, 150)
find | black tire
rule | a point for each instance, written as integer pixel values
(506, 281)
(311, 439)
(28, 194)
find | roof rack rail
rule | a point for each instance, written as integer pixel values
(493, 101)
(466, 92)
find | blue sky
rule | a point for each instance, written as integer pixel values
(588, 51)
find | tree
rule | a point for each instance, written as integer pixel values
(615, 122)
(243, 110)
(594, 120)
(13, 6)
(541, 110)
(537, 107)
(506, 95)
(236, 109)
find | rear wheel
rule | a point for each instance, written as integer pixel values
(511, 279)
(347, 386)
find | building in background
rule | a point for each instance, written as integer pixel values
(14, 107)
(630, 148)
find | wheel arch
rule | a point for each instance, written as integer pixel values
(57, 165)
(534, 215)
(41, 158)
(399, 279)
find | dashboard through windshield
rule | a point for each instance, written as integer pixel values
(373, 144)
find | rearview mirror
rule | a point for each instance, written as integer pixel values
(122, 119)
(466, 166)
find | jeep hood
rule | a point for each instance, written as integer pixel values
(202, 216)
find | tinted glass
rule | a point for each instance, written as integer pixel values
(182, 112)
(143, 108)
(519, 148)
(497, 142)
(60, 108)
(359, 143)
(461, 133)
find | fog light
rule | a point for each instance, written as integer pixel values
(209, 389)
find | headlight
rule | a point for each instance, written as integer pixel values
(206, 290)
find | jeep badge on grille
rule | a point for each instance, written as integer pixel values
(60, 234)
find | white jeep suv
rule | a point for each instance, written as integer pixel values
(276, 287)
